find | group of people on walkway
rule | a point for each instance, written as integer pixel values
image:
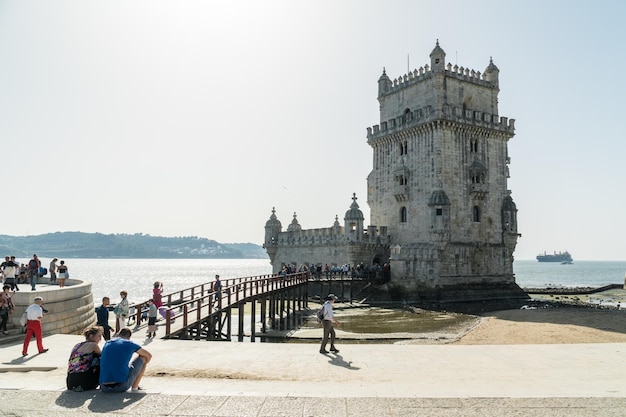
(122, 312)
(121, 363)
(14, 273)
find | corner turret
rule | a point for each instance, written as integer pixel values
(272, 228)
(491, 73)
(437, 59)
(353, 221)
(384, 84)
(509, 215)
(294, 226)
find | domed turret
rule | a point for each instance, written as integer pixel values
(354, 213)
(508, 204)
(437, 59)
(439, 198)
(272, 228)
(509, 215)
(384, 84)
(294, 226)
(491, 73)
(439, 204)
(353, 221)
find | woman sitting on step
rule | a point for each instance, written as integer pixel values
(83, 368)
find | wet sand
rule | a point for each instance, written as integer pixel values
(566, 324)
(557, 318)
(546, 319)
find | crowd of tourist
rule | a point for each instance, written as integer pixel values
(120, 363)
(13, 273)
(326, 271)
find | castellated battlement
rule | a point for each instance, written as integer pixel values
(331, 236)
(450, 113)
(423, 73)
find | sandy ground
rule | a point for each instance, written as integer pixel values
(547, 326)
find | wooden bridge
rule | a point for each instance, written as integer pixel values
(199, 312)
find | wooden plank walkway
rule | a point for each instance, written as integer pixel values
(201, 310)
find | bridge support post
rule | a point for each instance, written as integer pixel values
(240, 320)
(264, 315)
(253, 320)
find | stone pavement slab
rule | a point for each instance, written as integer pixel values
(284, 379)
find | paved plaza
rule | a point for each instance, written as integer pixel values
(200, 378)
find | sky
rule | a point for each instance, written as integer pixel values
(196, 118)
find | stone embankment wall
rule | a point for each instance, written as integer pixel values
(573, 290)
(70, 309)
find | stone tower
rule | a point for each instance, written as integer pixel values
(439, 179)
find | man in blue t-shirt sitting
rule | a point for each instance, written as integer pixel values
(117, 372)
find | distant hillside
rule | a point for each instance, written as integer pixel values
(138, 245)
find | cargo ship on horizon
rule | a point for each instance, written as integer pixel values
(556, 257)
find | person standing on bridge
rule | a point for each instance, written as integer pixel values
(217, 287)
(157, 294)
(329, 320)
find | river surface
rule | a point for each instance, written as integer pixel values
(109, 276)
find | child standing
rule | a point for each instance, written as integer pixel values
(152, 316)
(121, 311)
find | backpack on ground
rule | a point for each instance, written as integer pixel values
(320, 315)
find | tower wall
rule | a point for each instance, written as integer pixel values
(440, 131)
(437, 190)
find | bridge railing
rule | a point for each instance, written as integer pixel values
(198, 301)
(233, 292)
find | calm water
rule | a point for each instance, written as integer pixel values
(109, 276)
(535, 274)
(137, 276)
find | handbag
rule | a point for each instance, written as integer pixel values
(24, 319)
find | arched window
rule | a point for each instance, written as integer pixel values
(408, 116)
(403, 215)
(476, 214)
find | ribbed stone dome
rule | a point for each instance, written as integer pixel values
(439, 198)
(508, 204)
(491, 67)
(294, 226)
(273, 221)
(438, 50)
(354, 213)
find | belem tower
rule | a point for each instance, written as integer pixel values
(440, 212)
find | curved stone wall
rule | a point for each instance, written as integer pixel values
(70, 309)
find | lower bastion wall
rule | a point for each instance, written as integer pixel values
(70, 309)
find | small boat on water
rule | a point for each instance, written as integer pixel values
(566, 263)
(555, 257)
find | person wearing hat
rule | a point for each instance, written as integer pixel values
(329, 320)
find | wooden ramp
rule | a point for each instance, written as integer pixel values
(199, 312)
